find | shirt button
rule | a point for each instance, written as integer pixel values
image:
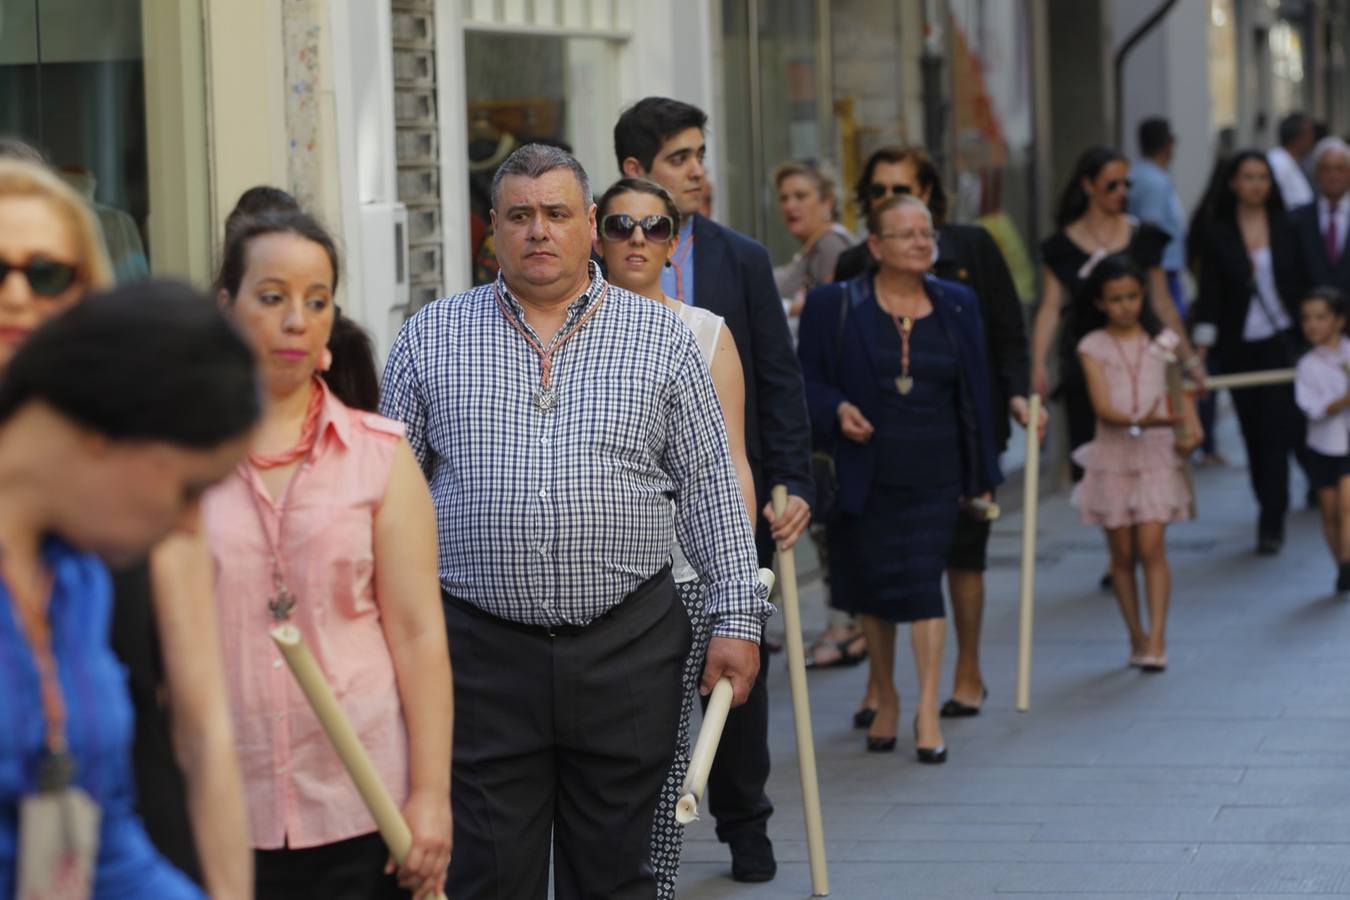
(543, 551)
(543, 493)
(544, 441)
(276, 664)
(279, 716)
(546, 603)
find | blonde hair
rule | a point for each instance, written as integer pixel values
(818, 173)
(20, 178)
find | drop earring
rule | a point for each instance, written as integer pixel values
(669, 264)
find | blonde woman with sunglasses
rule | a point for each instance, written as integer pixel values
(638, 221)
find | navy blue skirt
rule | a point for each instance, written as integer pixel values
(888, 562)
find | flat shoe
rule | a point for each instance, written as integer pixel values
(1137, 660)
(955, 709)
(845, 659)
(1153, 664)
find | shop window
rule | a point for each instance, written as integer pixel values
(72, 84)
(524, 88)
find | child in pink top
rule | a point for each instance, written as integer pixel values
(1133, 484)
(1322, 390)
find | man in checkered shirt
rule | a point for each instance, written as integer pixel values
(556, 418)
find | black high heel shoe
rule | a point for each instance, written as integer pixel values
(930, 755)
(864, 717)
(880, 744)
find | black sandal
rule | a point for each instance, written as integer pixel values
(845, 660)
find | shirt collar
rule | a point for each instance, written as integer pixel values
(594, 289)
(333, 416)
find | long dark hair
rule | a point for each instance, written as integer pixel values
(1111, 268)
(1073, 202)
(352, 377)
(1225, 198)
(930, 179)
(150, 361)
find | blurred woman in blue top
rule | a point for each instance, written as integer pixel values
(115, 417)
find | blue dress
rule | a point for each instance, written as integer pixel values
(98, 725)
(888, 560)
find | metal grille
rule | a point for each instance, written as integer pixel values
(417, 145)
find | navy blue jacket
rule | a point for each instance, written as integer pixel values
(833, 377)
(733, 277)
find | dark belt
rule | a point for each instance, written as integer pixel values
(554, 630)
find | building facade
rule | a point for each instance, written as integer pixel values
(387, 117)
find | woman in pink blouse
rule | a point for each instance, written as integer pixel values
(328, 525)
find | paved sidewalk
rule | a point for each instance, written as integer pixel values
(1227, 776)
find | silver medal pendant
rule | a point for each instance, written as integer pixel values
(281, 605)
(904, 384)
(545, 398)
(1135, 431)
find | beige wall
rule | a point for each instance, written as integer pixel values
(246, 97)
(176, 139)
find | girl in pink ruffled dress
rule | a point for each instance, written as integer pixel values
(1133, 484)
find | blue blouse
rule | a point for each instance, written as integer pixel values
(98, 730)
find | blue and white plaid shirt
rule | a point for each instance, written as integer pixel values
(552, 519)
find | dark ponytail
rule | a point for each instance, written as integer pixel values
(352, 377)
(150, 361)
(1073, 202)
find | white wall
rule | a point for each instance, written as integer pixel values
(1167, 75)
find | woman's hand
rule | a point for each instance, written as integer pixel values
(1160, 419)
(854, 424)
(423, 870)
(1187, 441)
(1040, 380)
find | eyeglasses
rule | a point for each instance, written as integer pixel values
(877, 191)
(1116, 184)
(908, 237)
(47, 277)
(620, 227)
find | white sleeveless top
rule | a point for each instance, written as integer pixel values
(707, 328)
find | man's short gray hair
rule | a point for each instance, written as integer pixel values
(536, 160)
(1329, 144)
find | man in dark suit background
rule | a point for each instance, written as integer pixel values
(731, 275)
(1320, 227)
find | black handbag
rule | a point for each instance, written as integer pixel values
(823, 471)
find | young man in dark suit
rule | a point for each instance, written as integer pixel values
(731, 275)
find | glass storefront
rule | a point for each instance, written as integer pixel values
(524, 88)
(834, 80)
(72, 83)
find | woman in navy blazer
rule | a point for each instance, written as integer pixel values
(897, 381)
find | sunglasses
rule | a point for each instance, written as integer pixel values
(877, 191)
(620, 227)
(1116, 184)
(46, 277)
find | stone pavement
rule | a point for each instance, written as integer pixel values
(1227, 776)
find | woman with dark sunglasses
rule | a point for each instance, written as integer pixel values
(189, 792)
(638, 222)
(1093, 224)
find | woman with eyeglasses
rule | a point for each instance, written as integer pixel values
(903, 393)
(115, 417)
(638, 221)
(189, 792)
(1093, 224)
(968, 255)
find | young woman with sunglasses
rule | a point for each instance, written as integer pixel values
(638, 222)
(1093, 224)
(163, 621)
